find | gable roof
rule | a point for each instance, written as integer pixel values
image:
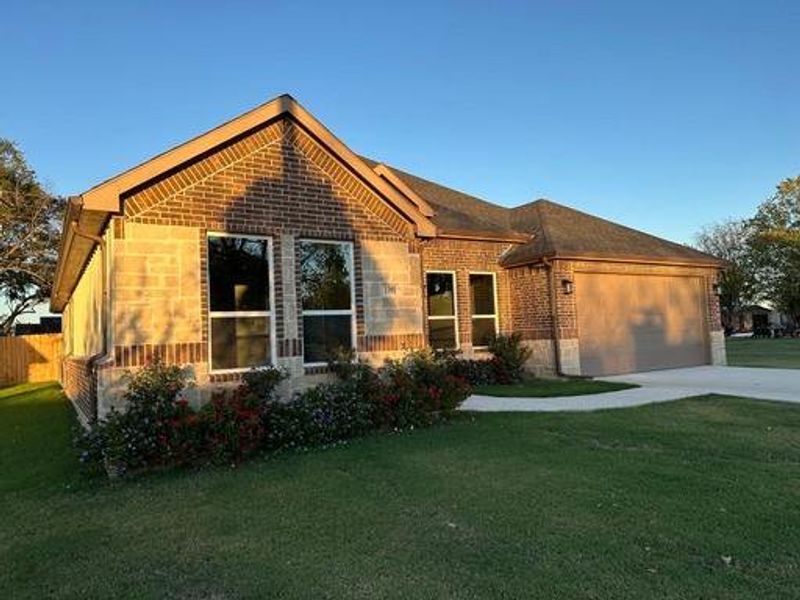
(541, 229)
(89, 213)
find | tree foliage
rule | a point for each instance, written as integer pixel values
(730, 241)
(29, 237)
(775, 247)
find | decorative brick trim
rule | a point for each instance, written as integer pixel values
(290, 347)
(390, 343)
(173, 182)
(179, 353)
(225, 377)
(233, 162)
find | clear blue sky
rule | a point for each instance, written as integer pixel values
(661, 115)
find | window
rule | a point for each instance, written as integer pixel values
(484, 308)
(240, 301)
(442, 325)
(326, 293)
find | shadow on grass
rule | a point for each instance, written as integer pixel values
(36, 450)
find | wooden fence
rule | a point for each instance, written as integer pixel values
(30, 358)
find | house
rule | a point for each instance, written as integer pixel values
(761, 320)
(267, 240)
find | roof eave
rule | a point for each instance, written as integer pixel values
(618, 258)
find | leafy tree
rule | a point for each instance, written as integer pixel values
(730, 241)
(29, 237)
(776, 247)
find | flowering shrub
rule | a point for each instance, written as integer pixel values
(158, 428)
(142, 435)
(232, 426)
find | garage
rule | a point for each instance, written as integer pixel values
(629, 323)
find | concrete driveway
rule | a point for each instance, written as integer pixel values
(660, 386)
(764, 384)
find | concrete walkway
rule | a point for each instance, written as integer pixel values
(660, 386)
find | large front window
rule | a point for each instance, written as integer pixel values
(442, 322)
(239, 301)
(484, 308)
(326, 293)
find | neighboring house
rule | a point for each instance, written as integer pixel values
(759, 319)
(267, 240)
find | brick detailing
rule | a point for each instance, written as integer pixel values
(138, 355)
(80, 385)
(464, 257)
(277, 180)
(382, 343)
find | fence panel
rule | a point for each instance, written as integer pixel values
(30, 358)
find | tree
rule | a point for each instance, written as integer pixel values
(776, 247)
(730, 241)
(29, 237)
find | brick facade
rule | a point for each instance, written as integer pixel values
(279, 182)
(465, 257)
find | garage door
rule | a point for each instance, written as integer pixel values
(629, 323)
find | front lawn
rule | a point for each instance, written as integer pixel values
(779, 353)
(691, 499)
(547, 388)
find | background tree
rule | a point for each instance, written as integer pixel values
(776, 248)
(730, 241)
(30, 221)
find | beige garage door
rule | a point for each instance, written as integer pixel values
(629, 323)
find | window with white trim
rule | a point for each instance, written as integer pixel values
(484, 308)
(442, 320)
(240, 301)
(327, 298)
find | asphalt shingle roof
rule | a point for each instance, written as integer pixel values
(556, 230)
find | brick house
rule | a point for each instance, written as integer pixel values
(267, 240)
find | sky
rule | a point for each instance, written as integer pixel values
(664, 116)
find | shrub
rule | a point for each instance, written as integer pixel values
(321, 415)
(158, 428)
(508, 357)
(232, 426)
(263, 381)
(141, 435)
(419, 390)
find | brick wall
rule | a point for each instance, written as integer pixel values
(463, 257)
(79, 381)
(279, 183)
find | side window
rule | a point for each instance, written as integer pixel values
(484, 308)
(239, 281)
(326, 294)
(442, 320)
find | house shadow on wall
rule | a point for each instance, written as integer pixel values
(299, 198)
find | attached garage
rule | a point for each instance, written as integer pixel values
(630, 322)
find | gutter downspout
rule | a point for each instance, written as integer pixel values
(104, 293)
(554, 312)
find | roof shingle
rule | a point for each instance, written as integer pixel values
(554, 230)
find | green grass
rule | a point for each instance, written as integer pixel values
(546, 388)
(780, 353)
(635, 503)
